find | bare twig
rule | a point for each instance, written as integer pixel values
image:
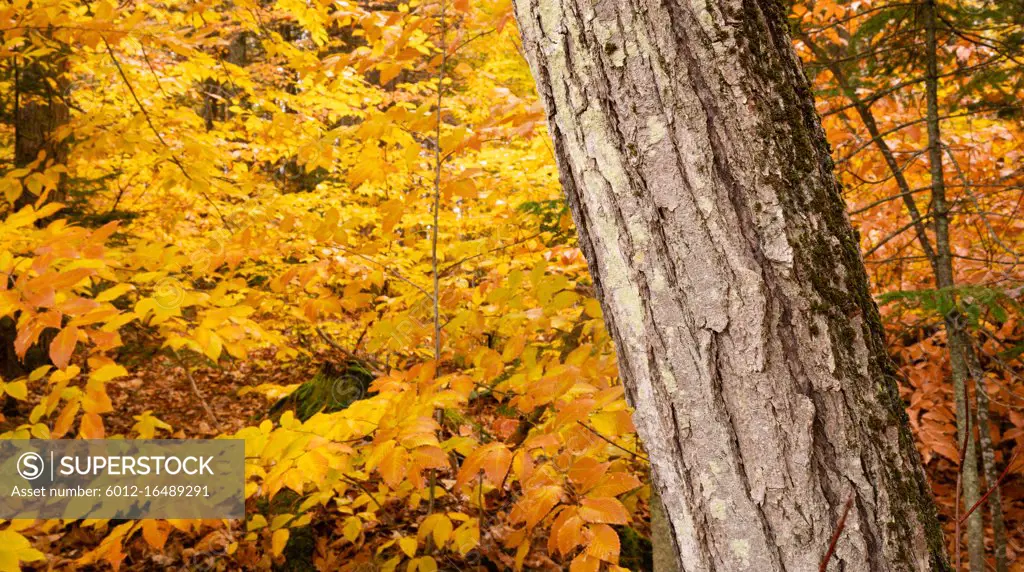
(348, 353)
(149, 121)
(613, 443)
(835, 535)
(999, 481)
(355, 482)
(197, 393)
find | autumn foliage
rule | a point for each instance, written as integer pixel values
(228, 195)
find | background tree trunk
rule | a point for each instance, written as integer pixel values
(40, 110)
(732, 282)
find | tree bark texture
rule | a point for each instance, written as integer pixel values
(702, 189)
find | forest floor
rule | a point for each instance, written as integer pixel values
(160, 384)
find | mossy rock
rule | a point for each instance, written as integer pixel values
(298, 552)
(335, 387)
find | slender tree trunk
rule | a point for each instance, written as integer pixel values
(40, 111)
(956, 337)
(702, 189)
(988, 457)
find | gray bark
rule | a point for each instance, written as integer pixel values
(702, 189)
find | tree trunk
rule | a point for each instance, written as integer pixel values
(40, 110)
(956, 331)
(702, 189)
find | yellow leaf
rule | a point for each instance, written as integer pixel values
(393, 210)
(39, 372)
(466, 537)
(442, 531)
(17, 390)
(521, 552)
(353, 526)
(146, 425)
(108, 372)
(40, 431)
(278, 541)
(408, 546)
(14, 549)
(256, 522)
(437, 525)
(114, 292)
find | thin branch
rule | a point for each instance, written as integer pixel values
(355, 482)
(613, 443)
(447, 269)
(1002, 477)
(196, 392)
(896, 233)
(348, 353)
(835, 535)
(149, 121)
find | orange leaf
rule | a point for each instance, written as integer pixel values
(392, 466)
(614, 484)
(63, 346)
(494, 459)
(155, 532)
(536, 504)
(587, 472)
(64, 420)
(570, 534)
(91, 426)
(605, 510)
(605, 543)
(27, 335)
(584, 563)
